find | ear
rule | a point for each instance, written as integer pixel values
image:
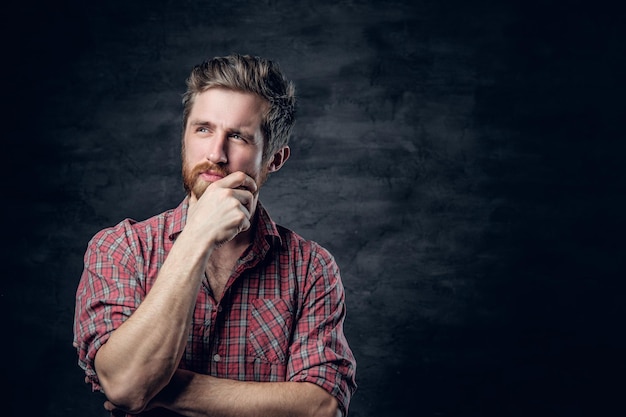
(278, 159)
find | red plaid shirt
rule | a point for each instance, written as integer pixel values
(280, 319)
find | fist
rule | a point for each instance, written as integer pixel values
(225, 209)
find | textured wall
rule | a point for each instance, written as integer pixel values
(460, 159)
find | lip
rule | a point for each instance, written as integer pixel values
(211, 176)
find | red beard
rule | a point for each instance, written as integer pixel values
(191, 178)
(193, 183)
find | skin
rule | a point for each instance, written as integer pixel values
(137, 367)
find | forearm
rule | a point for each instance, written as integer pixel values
(195, 395)
(142, 354)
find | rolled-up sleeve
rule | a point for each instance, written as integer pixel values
(106, 296)
(320, 353)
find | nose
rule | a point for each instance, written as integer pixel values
(216, 152)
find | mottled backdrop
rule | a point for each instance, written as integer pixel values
(461, 160)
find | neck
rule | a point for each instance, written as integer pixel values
(222, 262)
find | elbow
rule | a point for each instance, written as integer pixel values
(132, 398)
(321, 403)
(328, 407)
(132, 391)
(130, 388)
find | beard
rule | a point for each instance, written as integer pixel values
(191, 177)
(195, 185)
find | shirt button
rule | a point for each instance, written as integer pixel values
(217, 357)
(219, 309)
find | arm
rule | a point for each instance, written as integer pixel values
(142, 354)
(320, 353)
(320, 369)
(195, 395)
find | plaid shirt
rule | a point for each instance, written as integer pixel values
(280, 318)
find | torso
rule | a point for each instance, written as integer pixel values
(220, 267)
(217, 276)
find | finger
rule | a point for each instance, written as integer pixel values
(249, 184)
(245, 197)
(108, 405)
(244, 226)
(238, 180)
(115, 412)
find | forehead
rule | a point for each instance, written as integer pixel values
(228, 108)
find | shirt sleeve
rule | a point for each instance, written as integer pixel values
(320, 353)
(107, 294)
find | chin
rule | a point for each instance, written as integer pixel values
(199, 188)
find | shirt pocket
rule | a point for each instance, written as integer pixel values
(270, 327)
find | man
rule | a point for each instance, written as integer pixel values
(211, 309)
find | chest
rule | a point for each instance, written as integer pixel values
(220, 270)
(217, 278)
(248, 331)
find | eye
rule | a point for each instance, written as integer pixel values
(237, 136)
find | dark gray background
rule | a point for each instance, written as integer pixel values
(461, 160)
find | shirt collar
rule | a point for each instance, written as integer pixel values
(266, 228)
(178, 219)
(266, 233)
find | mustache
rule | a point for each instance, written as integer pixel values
(207, 166)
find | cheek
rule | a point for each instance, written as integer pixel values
(192, 151)
(249, 160)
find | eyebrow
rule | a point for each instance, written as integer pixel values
(198, 122)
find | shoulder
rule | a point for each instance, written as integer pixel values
(293, 241)
(306, 250)
(130, 233)
(287, 242)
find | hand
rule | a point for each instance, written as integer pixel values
(224, 210)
